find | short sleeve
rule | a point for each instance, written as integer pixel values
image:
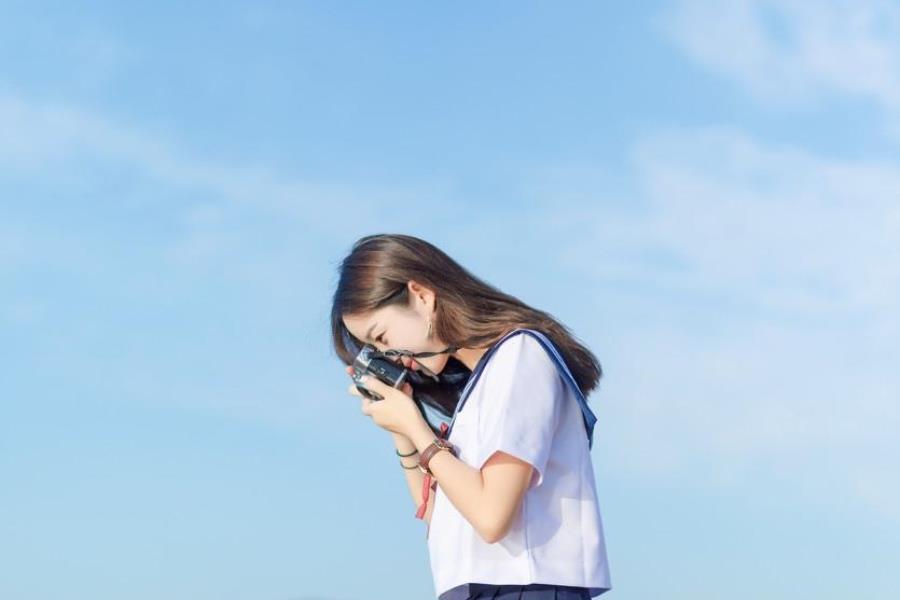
(519, 404)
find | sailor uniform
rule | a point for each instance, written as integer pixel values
(523, 400)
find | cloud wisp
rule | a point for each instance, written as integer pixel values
(792, 53)
(769, 336)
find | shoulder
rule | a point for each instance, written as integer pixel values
(523, 356)
(521, 344)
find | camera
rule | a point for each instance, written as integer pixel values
(370, 361)
(436, 395)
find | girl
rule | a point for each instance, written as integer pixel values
(513, 510)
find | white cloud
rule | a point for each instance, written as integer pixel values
(42, 136)
(253, 235)
(783, 228)
(800, 251)
(223, 215)
(772, 227)
(792, 51)
(758, 325)
(799, 373)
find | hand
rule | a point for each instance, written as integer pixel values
(396, 412)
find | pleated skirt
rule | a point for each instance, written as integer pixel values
(532, 591)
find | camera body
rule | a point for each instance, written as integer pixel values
(370, 361)
(436, 395)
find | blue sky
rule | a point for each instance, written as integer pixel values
(705, 192)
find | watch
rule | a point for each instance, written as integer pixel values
(433, 448)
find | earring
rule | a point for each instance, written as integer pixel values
(429, 328)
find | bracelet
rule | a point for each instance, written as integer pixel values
(415, 451)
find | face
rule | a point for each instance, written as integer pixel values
(402, 328)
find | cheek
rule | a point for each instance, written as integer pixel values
(435, 363)
(407, 340)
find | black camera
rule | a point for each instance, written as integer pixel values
(370, 361)
(436, 395)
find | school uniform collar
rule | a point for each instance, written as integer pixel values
(590, 419)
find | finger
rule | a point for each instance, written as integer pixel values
(365, 406)
(373, 383)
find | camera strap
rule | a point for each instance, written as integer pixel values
(390, 353)
(395, 353)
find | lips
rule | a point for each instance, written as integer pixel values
(408, 362)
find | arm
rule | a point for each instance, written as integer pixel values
(415, 479)
(487, 498)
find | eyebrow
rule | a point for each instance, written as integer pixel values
(369, 332)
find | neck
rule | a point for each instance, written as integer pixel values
(469, 356)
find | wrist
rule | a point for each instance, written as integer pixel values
(422, 436)
(403, 444)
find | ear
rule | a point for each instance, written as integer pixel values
(421, 294)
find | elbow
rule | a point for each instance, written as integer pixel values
(489, 537)
(494, 530)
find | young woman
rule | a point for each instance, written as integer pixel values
(513, 511)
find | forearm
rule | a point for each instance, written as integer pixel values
(461, 483)
(415, 479)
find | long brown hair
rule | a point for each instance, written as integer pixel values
(469, 312)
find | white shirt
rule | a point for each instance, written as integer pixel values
(522, 405)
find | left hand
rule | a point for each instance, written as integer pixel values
(396, 412)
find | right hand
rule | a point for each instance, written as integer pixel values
(407, 389)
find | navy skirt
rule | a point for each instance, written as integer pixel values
(532, 591)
